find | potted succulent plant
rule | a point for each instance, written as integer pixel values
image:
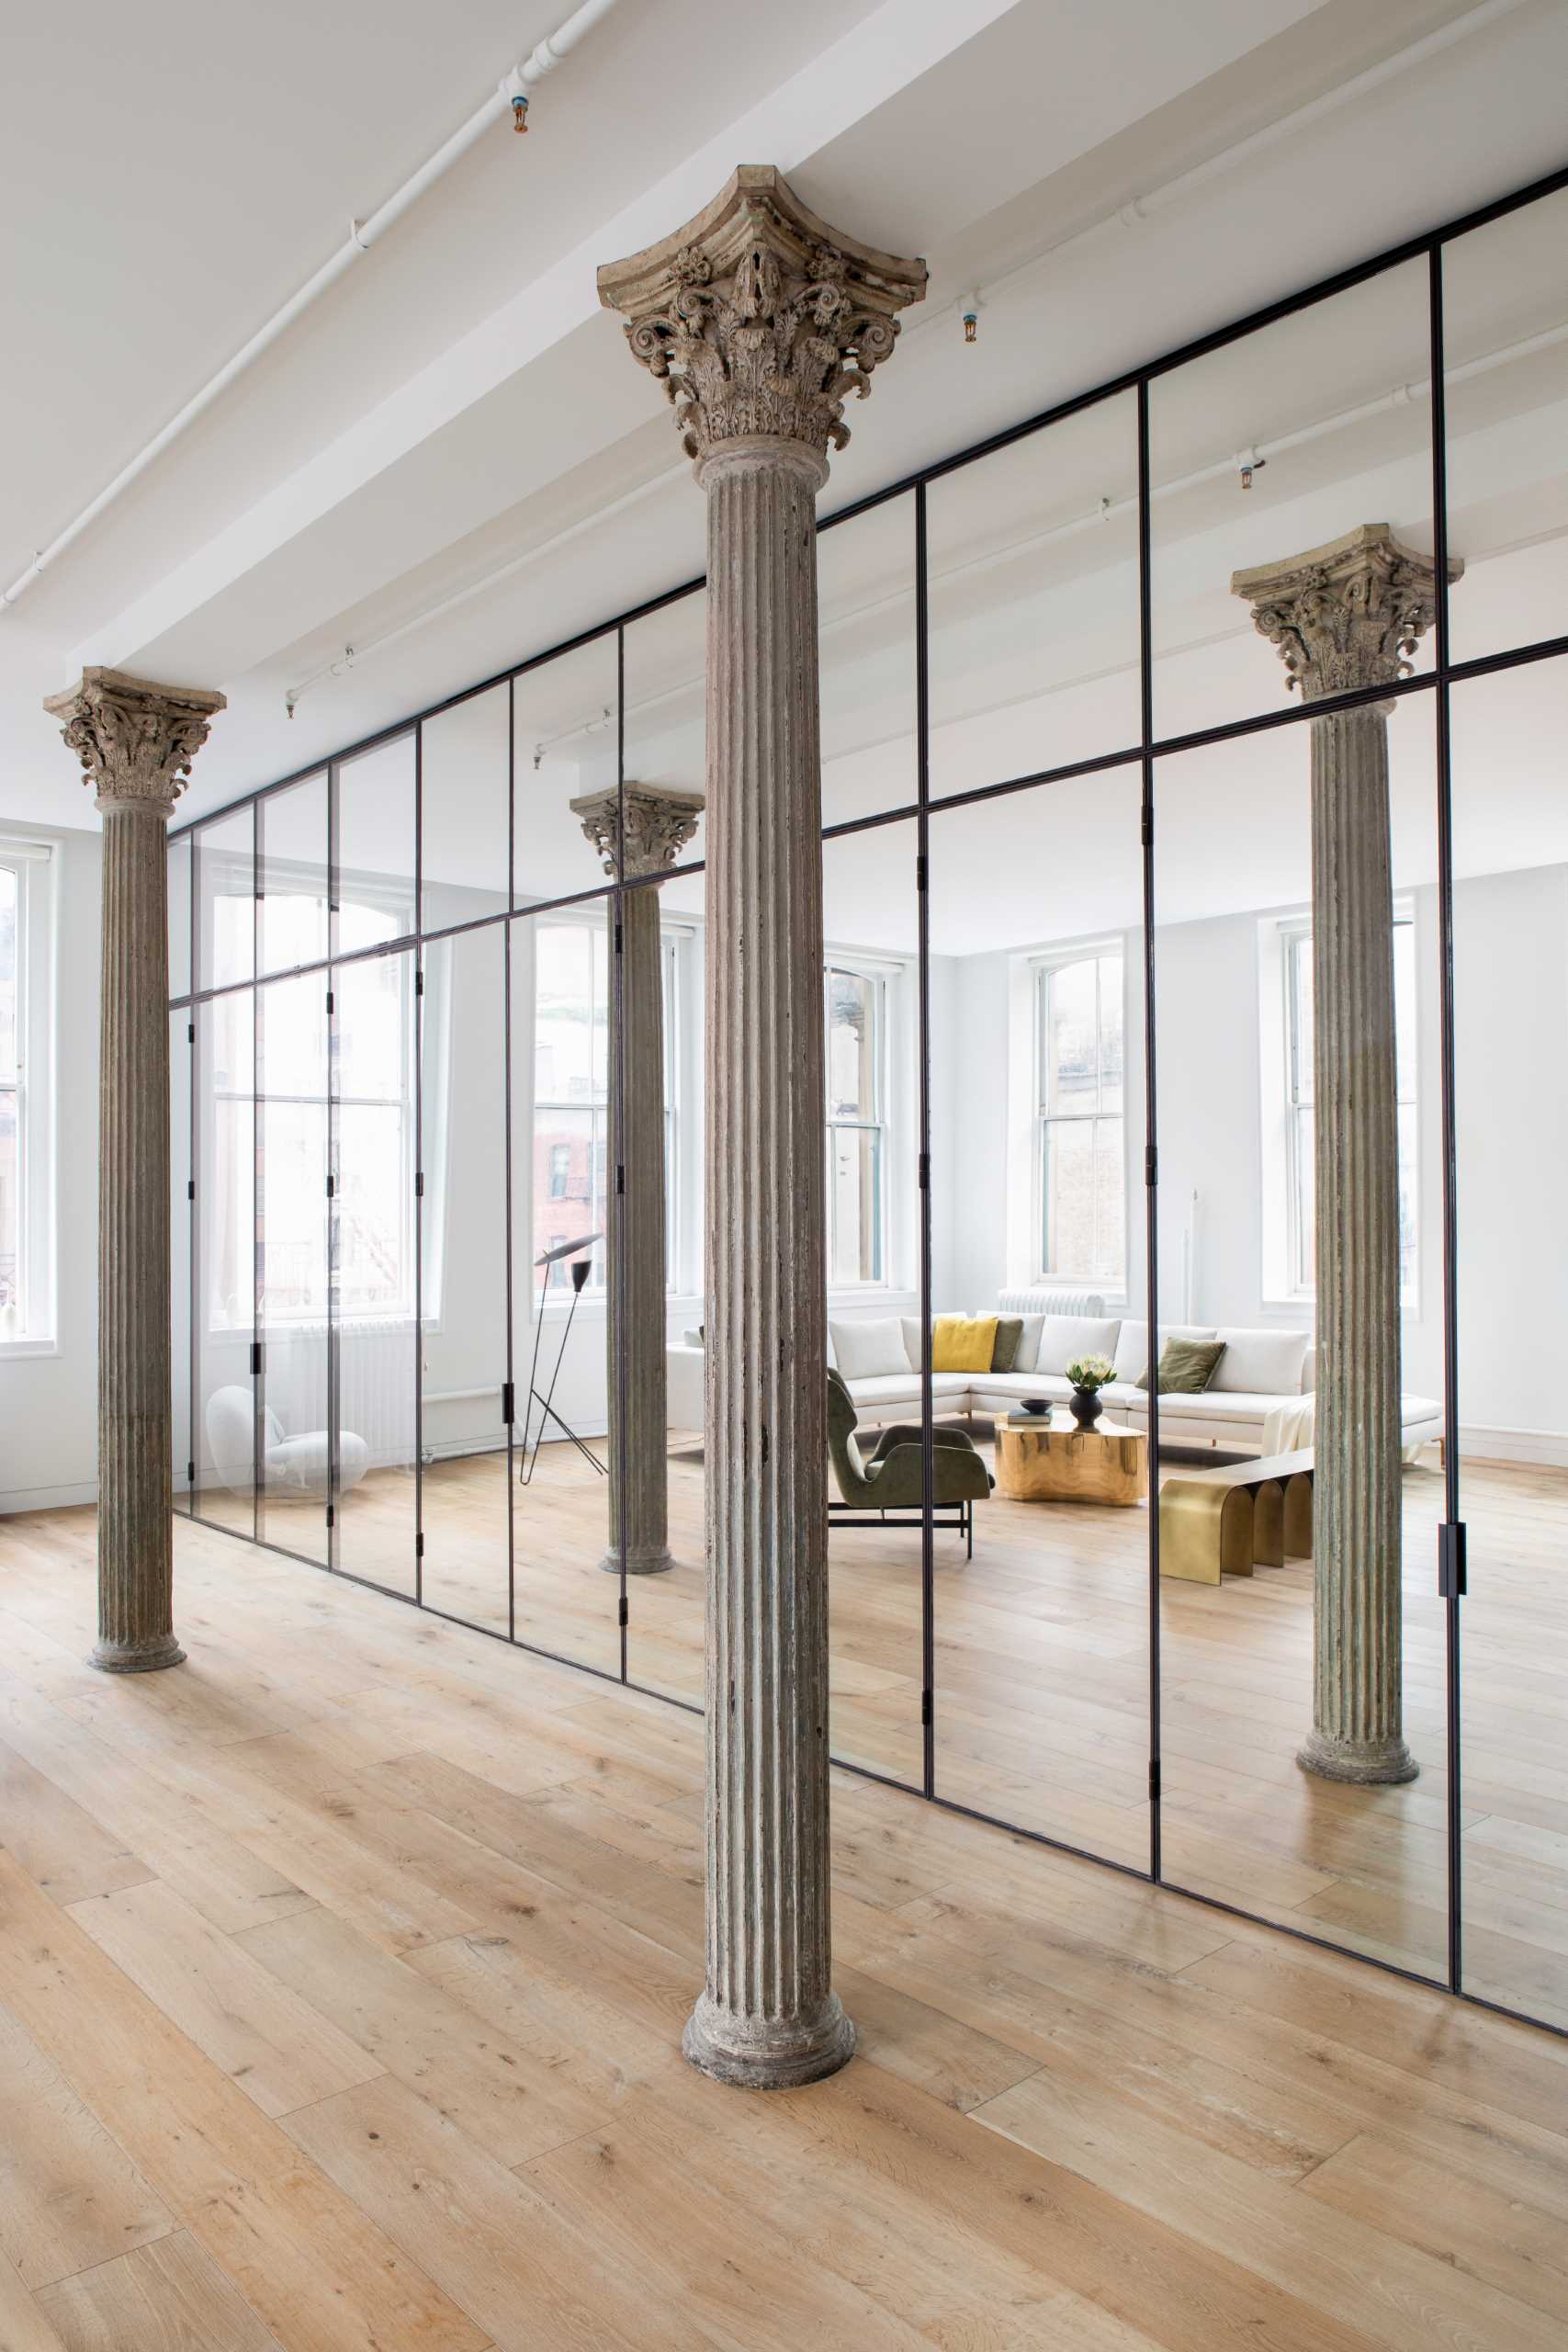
(1089, 1376)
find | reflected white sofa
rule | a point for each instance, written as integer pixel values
(289, 1465)
(1262, 1372)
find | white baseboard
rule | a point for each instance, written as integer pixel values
(19, 1499)
(1480, 1441)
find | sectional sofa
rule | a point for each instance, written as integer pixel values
(1262, 1373)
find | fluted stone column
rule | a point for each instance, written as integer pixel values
(1346, 616)
(655, 822)
(136, 742)
(759, 319)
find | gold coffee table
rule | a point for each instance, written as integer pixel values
(1046, 1458)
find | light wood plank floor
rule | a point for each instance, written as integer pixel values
(1042, 1691)
(341, 1978)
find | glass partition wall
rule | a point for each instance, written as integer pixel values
(1194, 863)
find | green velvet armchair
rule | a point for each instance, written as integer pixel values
(889, 1478)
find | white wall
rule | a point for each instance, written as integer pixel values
(49, 1404)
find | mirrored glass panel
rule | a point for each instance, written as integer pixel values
(1033, 602)
(1510, 920)
(376, 846)
(182, 1213)
(870, 1149)
(1041, 1697)
(566, 1583)
(1273, 447)
(292, 1217)
(666, 730)
(465, 1278)
(565, 733)
(865, 586)
(225, 1262)
(226, 912)
(291, 840)
(375, 1331)
(179, 915)
(1300, 1347)
(465, 797)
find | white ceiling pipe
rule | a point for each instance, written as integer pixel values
(362, 235)
(1271, 134)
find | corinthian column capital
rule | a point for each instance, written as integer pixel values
(655, 821)
(136, 741)
(759, 319)
(1346, 615)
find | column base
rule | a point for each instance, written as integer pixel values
(1357, 1760)
(766, 2053)
(639, 1564)
(136, 1657)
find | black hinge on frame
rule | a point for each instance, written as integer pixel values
(329, 1001)
(620, 1179)
(1153, 1779)
(921, 870)
(925, 1175)
(619, 937)
(1151, 1164)
(329, 1189)
(1450, 1559)
(925, 1708)
(419, 1547)
(419, 983)
(190, 1188)
(331, 1516)
(190, 1474)
(419, 1185)
(625, 1617)
(1147, 826)
(508, 1403)
(255, 1359)
(190, 1032)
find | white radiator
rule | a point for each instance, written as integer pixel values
(375, 1382)
(1050, 1302)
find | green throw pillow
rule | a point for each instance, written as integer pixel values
(1004, 1347)
(1187, 1366)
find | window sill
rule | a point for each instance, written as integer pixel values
(9, 1348)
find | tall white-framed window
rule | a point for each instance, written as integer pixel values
(28, 872)
(856, 998)
(571, 1101)
(1300, 1180)
(1080, 1155)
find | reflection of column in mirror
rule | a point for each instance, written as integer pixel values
(658, 822)
(136, 742)
(1345, 616)
(759, 319)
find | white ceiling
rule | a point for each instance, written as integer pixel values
(458, 399)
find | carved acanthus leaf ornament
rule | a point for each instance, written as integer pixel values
(655, 821)
(136, 741)
(1348, 615)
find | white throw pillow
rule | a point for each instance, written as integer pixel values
(870, 1349)
(1132, 1358)
(1026, 1359)
(1269, 1363)
(1064, 1338)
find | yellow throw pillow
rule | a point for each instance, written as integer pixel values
(963, 1343)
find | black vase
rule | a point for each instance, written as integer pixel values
(1084, 1407)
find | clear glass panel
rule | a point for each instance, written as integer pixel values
(1246, 1074)
(464, 1278)
(181, 1215)
(465, 797)
(564, 748)
(866, 574)
(1505, 332)
(666, 728)
(291, 840)
(1331, 410)
(179, 915)
(1033, 596)
(226, 918)
(872, 929)
(374, 1326)
(292, 1285)
(375, 835)
(564, 1601)
(1042, 1700)
(1510, 834)
(225, 1260)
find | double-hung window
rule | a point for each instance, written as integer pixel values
(856, 999)
(571, 1106)
(1080, 1146)
(27, 1251)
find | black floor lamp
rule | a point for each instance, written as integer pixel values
(580, 1273)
